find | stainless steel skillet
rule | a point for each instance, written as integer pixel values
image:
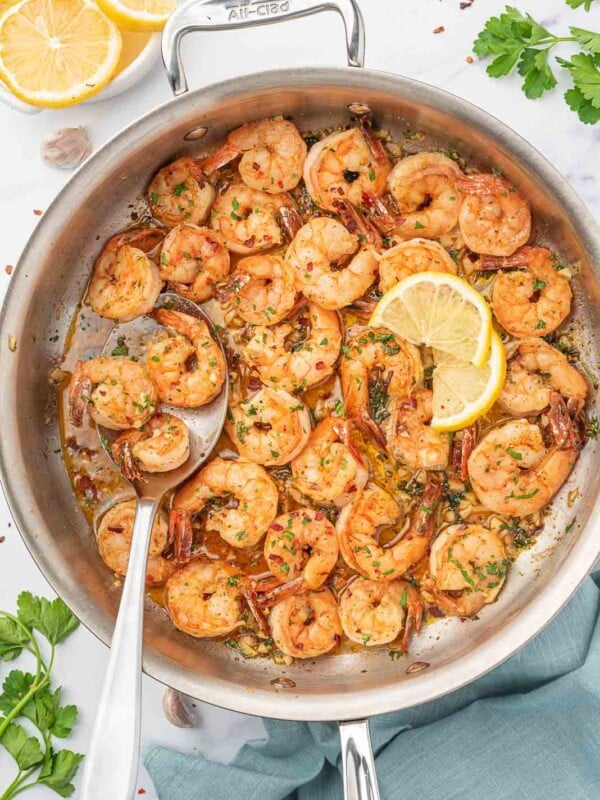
(50, 280)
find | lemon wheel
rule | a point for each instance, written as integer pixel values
(55, 53)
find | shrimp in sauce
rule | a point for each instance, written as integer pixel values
(306, 625)
(407, 258)
(114, 542)
(194, 260)
(168, 356)
(181, 193)
(272, 155)
(261, 289)
(270, 427)
(161, 445)
(495, 218)
(126, 282)
(117, 391)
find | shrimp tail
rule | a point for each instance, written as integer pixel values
(367, 425)
(520, 259)
(374, 144)
(561, 425)
(271, 598)
(290, 219)
(379, 214)
(482, 184)
(358, 223)
(342, 429)
(145, 239)
(79, 395)
(123, 455)
(181, 534)
(462, 449)
(251, 599)
(414, 616)
(224, 155)
(423, 523)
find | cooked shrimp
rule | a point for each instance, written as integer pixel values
(205, 599)
(180, 192)
(376, 366)
(410, 438)
(329, 267)
(306, 625)
(117, 391)
(414, 255)
(359, 523)
(261, 289)
(251, 221)
(330, 469)
(296, 355)
(425, 188)
(272, 155)
(168, 356)
(194, 260)
(495, 218)
(126, 283)
(162, 444)
(468, 561)
(114, 542)
(243, 521)
(346, 166)
(513, 472)
(271, 427)
(532, 300)
(534, 371)
(302, 544)
(373, 612)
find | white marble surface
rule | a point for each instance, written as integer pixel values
(400, 39)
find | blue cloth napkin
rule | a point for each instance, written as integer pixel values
(529, 730)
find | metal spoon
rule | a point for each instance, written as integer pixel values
(112, 760)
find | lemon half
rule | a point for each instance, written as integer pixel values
(55, 53)
(440, 311)
(139, 15)
(463, 392)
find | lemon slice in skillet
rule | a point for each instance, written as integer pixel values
(56, 53)
(139, 15)
(440, 311)
(463, 392)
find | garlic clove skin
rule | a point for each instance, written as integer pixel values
(178, 710)
(66, 148)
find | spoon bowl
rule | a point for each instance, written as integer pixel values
(204, 424)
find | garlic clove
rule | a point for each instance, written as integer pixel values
(178, 710)
(66, 148)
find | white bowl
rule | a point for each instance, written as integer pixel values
(138, 68)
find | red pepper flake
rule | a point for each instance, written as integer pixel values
(469, 59)
(2, 539)
(8, 269)
(255, 165)
(440, 29)
(466, 4)
(320, 365)
(250, 242)
(38, 212)
(280, 184)
(310, 266)
(319, 516)
(276, 526)
(141, 791)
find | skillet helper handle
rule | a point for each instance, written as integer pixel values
(207, 15)
(111, 766)
(358, 764)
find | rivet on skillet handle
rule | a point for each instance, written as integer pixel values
(358, 764)
(207, 15)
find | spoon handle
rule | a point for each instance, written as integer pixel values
(112, 760)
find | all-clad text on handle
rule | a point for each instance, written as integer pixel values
(206, 15)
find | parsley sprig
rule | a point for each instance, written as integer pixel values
(516, 40)
(29, 697)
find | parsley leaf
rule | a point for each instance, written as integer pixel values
(584, 69)
(12, 639)
(51, 618)
(25, 750)
(59, 771)
(587, 4)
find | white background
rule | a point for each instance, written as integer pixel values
(400, 39)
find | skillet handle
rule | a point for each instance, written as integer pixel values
(358, 764)
(206, 15)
